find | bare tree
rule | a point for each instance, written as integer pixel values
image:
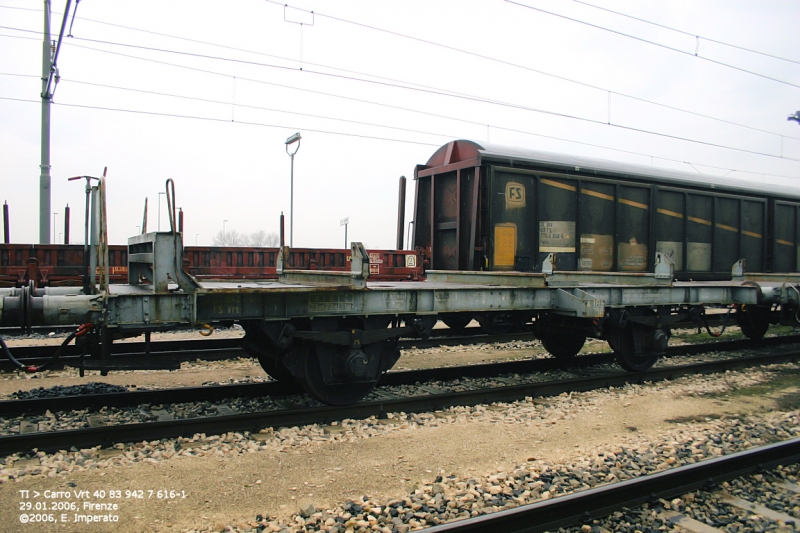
(263, 239)
(258, 238)
(273, 239)
(228, 238)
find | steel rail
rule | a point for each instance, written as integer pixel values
(598, 502)
(229, 348)
(159, 346)
(108, 435)
(392, 378)
(273, 388)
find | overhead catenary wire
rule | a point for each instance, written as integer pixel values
(421, 89)
(660, 45)
(460, 96)
(23, 9)
(534, 134)
(224, 120)
(447, 47)
(196, 41)
(484, 100)
(434, 114)
(531, 69)
(260, 108)
(20, 75)
(651, 156)
(690, 34)
(428, 88)
(350, 121)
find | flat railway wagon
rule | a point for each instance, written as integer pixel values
(61, 265)
(500, 232)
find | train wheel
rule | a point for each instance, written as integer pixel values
(276, 370)
(622, 341)
(612, 343)
(343, 374)
(753, 320)
(341, 393)
(267, 357)
(562, 346)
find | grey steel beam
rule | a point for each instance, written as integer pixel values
(138, 304)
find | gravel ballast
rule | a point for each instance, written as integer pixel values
(415, 469)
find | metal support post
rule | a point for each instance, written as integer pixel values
(5, 223)
(49, 74)
(159, 210)
(94, 239)
(401, 212)
(86, 281)
(66, 224)
(291, 140)
(344, 222)
(44, 165)
(291, 204)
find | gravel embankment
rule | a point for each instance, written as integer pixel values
(443, 495)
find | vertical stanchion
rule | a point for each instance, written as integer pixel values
(5, 223)
(66, 224)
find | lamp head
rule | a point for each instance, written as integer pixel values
(294, 138)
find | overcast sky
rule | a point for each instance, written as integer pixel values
(207, 92)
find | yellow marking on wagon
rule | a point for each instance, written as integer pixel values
(596, 194)
(727, 228)
(669, 213)
(699, 220)
(559, 185)
(633, 204)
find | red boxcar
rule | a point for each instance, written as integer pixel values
(57, 265)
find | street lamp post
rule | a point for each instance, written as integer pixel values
(159, 209)
(291, 140)
(344, 222)
(54, 227)
(196, 235)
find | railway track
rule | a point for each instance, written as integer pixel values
(215, 349)
(602, 501)
(393, 378)
(225, 348)
(284, 413)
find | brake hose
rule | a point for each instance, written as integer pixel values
(10, 357)
(82, 330)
